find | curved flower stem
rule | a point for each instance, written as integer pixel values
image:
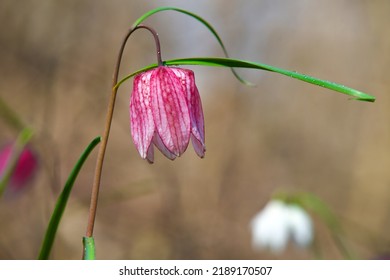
(158, 48)
(106, 133)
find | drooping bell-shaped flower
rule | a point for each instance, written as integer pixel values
(166, 110)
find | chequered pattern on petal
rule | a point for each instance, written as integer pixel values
(166, 111)
(160, 145)
(195, 108)
(170, 110)
(142, 124)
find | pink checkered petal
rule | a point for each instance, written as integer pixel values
(141, 117)
(170, 110)
(198, 146)
(160, 145)
(195, 108)
(150, 154)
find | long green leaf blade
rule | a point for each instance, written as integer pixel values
(228, 62)
(200, 19)
(62, 201)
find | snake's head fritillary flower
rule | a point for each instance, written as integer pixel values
(277, 223)
(166, 111)
(24, 169)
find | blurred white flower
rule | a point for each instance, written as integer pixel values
(277, 223)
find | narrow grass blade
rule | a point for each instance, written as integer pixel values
(317, 206)
(198, 18)
(134, 73)
(229, 62)
(62, 201)
(10, 116)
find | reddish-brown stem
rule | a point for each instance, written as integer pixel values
(106, 133)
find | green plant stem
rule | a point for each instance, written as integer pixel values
(107, 127)
(89, 248)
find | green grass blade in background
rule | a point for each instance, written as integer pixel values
(62, 201)
(317, 206)
(10, 116)
(198, 18)
(89, 248)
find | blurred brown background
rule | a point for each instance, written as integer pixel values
(56, 62)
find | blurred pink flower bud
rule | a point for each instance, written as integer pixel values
(166, 110)
(25, 168)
